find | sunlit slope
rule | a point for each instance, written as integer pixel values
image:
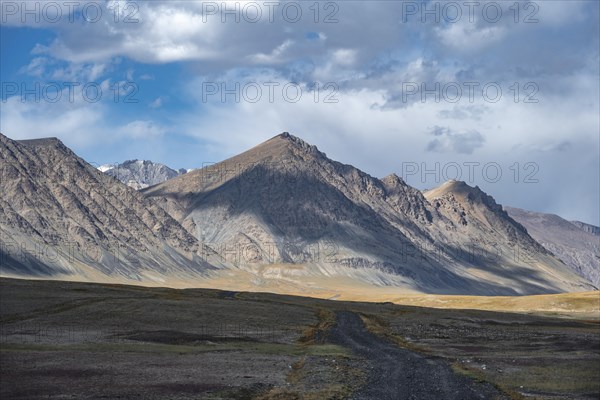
(279, 279)
(285, 205)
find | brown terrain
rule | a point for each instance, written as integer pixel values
(90, 341)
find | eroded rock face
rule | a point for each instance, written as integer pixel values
(60, 215)
(284, 201)
(593, 229)
(575, 243)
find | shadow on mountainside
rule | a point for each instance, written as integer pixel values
(295, 205)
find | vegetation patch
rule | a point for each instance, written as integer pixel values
(478, 376)
(318, 332)
(381, 327)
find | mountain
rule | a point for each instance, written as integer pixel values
(592, 229)
(62, 218)
(284, 211)
(281, 214)
(575, 243)
(140, 174)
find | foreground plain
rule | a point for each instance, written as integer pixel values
(90, 341)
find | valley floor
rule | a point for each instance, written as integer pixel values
(90, 341)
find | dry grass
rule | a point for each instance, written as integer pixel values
(583, 305)
(381, 327)
(566, 377)
(301, 370)
(478, 376)
(297, 373)
(334, 392)
(316, 333)
(337, 389)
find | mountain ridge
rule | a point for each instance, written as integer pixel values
(140, 174)
(281, 214)
(593, 229)
(62, 217)
(385, 232)
(574, 244)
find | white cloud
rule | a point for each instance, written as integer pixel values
(73, 118)
(448, 141)
(36, 67)
(179, 31)
(156, 103)
(370, 126)
(338, 66)
(275, 57)
(142, 130)
(76, 123)
(166, 32)
(344, 57)
(467, 37)
(558, 13)
(380, 141)
(80, 72)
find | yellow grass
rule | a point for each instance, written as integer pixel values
(581, 305)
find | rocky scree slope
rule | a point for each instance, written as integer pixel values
(59, 216)
(284, 203)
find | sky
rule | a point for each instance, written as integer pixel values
(504, 95)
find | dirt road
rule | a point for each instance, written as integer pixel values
(397, 374)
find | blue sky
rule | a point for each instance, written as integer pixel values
(170, 63)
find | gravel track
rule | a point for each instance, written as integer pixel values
(395, 373)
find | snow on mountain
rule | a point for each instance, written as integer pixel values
(140, 174)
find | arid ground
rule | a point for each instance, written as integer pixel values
(63, 340)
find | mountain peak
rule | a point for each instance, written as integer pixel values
(286, 201)
(286, 136)
(278, 148)
(293, 140)
(51, 197)
(49, 141)
(456, 184)
(393, 180)
(455, 187)
(140, 174)
(137, 162)
(462, 192)
(45, 145)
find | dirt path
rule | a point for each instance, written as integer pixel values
(397, 374)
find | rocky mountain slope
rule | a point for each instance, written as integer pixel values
(575, 243)
(592, 229)
(140, 174)
(283, 210)
(61, 217)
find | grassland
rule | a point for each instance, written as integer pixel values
(89, 341)
(583, 305)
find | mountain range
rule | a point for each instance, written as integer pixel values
(280, 212)
(140, 174)
(62, 218)
(576, 243)
(286, 203)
